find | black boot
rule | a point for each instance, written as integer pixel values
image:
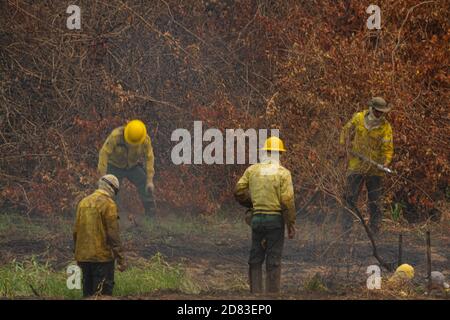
(347, 223)
(273, 280)
(375, 223)
(376, 217)
(255, 277)
(374, 227)
(149, 210)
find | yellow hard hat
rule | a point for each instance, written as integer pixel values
(274, 144)
(406, 269)
(135, 132)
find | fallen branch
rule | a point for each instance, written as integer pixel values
(369, 233)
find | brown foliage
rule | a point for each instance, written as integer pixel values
(303, 67)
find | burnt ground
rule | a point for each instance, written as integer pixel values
(317, 264)
(219, 261)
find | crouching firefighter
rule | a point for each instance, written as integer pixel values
(266, 187)
(120, 155)
(96, 238)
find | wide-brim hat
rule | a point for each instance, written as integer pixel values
(379, 104)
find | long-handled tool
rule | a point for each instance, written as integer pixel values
(378, 165)
(388, 266)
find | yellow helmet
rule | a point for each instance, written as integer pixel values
(135, 132)
(406, 269)
(274, 144)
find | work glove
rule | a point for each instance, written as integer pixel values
(291, 232)
(122, 265)
(150, 187)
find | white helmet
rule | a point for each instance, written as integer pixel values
(110, 183)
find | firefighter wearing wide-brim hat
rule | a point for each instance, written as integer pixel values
(267, 188)
(372, 139)
(120, 156)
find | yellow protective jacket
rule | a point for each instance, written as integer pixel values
(96, 231)
(268, 186)
(116, 151)
(376, 144)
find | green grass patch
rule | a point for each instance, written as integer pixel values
(196, 226)
(33, 279)
(152, 275)
(39, 280)
(397, 211)
(19, 226)
(315, 284)
(14, 225)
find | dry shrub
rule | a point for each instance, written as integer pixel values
(303, 67)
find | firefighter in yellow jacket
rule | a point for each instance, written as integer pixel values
(96, 238)
(120, 156)
(266, 187)
(371, 137)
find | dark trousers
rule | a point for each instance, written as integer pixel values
(353, 189)
(98, 278)
(267, 241)
(138, 177)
